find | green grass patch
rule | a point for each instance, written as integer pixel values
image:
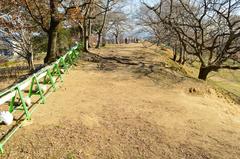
(9, 64)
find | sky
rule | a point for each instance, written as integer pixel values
(133, 5)
(131, 8)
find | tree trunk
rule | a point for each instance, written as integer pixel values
(126, 41)
(52, 34)
(182, 58)
(86, 44)
(104, 39)
(81, 34)
(85, 37)
(52, 41)
(89, 32)
(116, 39)
(175, 54)
(103, 24)
(203, 72)
(30, 62)
(98, 40)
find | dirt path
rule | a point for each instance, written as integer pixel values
(111, 110)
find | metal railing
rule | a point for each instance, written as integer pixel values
(49, 76)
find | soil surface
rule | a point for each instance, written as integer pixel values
(133, 104)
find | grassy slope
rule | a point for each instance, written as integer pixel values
(228, 80)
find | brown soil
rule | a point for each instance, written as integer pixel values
(109, 109)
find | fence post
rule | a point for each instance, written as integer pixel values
(56, 68)
(23, 104)
(64, 62)
(11, 105)
(51, 80)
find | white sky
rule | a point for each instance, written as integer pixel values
(131, 8)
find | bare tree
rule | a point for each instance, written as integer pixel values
(118, 24)
(48, 14)
(100, 21)
(17, 33)
(84, 18)
(207, 29)
(160, 33)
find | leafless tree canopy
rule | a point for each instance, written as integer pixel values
(20, 18)
(207, 29)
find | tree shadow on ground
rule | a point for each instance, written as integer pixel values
(159, 72)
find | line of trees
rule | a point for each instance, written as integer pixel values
(206, 29)
(27, 24)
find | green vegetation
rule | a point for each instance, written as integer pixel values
(226, 79)
(9, 64)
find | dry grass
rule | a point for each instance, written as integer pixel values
(112, 110)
